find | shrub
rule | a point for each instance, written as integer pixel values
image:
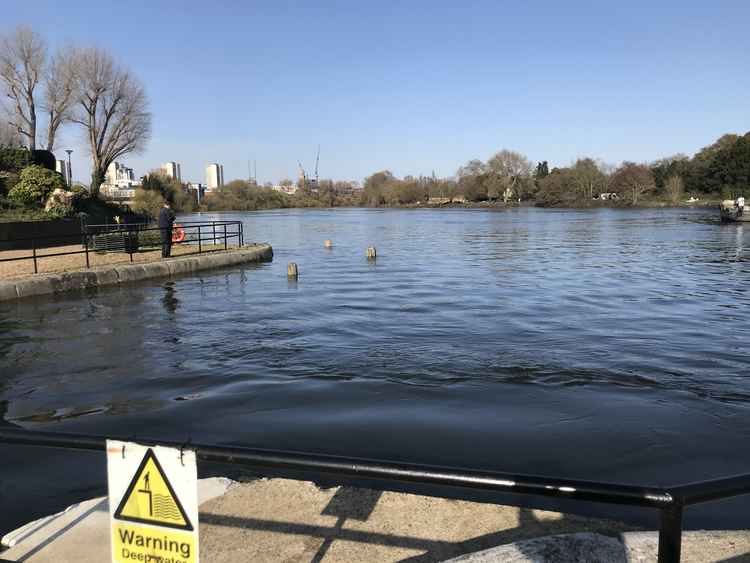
(14, 160)
(35, 185)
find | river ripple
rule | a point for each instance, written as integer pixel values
(605, 344)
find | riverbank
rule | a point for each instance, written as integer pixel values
(279, 519)
(145, 265)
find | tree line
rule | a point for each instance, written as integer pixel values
(721, 169)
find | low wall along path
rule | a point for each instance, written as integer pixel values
(46, 284)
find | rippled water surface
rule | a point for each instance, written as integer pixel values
(601, 344)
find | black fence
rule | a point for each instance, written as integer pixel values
(670, 501)
(128, 238)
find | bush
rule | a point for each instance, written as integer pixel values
(14, 160)
(35, 185)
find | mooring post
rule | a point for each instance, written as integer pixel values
(291, 270)
(670, 534)
(328, 243)
(372, 254)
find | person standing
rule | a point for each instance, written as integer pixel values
(166, 221)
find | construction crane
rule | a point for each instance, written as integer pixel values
(317, 161)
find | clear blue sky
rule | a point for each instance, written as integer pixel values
(415, 86)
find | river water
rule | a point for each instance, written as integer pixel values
(602, 344)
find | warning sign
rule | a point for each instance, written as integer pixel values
(153, 503)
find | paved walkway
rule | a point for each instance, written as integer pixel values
(281, 520)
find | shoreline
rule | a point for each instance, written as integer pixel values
(54, 283)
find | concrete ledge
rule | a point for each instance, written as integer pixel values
(81, 532)
(47, 284)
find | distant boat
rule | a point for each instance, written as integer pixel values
(730, 213)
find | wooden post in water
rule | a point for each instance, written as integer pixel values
(328, 243)
(372, 254)
(291, 271)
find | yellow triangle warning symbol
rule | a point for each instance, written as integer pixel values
(150, 498)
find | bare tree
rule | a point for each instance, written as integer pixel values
(9, 136)
(22, 56)
(634, 178)
(112, 108)
(512, 169)
(675, 188)
(59, 93)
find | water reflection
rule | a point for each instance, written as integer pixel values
(169, 300)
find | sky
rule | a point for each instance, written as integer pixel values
(412, 86)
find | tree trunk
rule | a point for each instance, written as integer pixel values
(97, 179)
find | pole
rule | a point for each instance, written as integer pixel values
(33, 247)
(670, 534)
(199, 239)
(225, 236)
(86, 245)
(70, 169)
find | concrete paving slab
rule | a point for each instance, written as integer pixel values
(283, 520)
(80, 533)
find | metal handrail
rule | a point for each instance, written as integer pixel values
(670, 501)
(86, 235)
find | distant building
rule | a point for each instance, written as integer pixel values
(120, 176)
(172, 169)
(214, 176)
(119, 183)
(62, 167)
(290, 189)
(198, 189)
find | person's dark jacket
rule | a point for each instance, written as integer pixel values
(166, 218)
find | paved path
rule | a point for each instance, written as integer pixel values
(281, 520)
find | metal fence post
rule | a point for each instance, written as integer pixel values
(242, 233)
(33, 247)
(86, 246)
(213, 226)
(670, 534)
(199, 240)
(225, 236)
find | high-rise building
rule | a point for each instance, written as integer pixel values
(214, 176)
(120, 176)
(172, 169)
(62, 167)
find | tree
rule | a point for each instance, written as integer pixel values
(9, 136)
(636, 179)
(542, 170)
(22, 56)
(729, 169)
(513, 171)
(558, 188)
(587, 178)
(147, 202)
(675, 187)
(59, 93)
(112, 108)
(373, 193)
(697, 177)
(35, 185)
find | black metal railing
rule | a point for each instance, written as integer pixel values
(669, 501)
(128, 238)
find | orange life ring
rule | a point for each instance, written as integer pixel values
(178, 233)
